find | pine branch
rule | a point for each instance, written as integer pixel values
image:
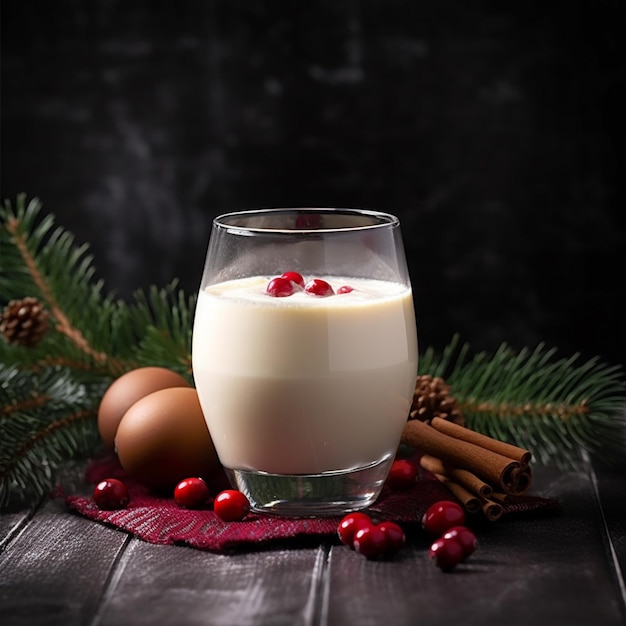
(45, 421)
(93, 332)
(553, 407)
(164, 320)
(45, 262)
(49, 393)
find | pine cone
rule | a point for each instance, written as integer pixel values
(432, 398)
(24, 322)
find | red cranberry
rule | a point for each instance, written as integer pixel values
(318, 287)
(191, 493)
(231, 505)
(402, 475)
(446, 553)
(345, 289)
(442, 516)
(394, 535)
(294, 277)
(279, 287)
(370, 541)
(110, 494)
(465, 537)
(350, 524)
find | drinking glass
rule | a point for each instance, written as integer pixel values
(305, 381)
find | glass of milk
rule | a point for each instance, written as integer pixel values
(305, 355)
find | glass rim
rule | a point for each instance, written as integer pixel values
(384, 219)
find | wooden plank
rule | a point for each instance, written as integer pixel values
(178, 585)
(544, 571)
(16, 515)
(56, 570)
(12, 522)
(610, 485)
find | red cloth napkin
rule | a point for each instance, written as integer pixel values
(158, 519)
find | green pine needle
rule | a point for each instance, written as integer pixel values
(46, 420)
(49, 393)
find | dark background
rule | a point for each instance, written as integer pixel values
(494, 130)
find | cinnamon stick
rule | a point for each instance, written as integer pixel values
(522, 480)
(501, 497)
(493, 468)
(462, 476)
(472, 503)
(467, 434)
(493, 510)
(468, 500)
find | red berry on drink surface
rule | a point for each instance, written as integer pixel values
(231, 505)
(402, 475)
(345, 289)
(442, 516)
(279, 287)
(465, 537)
(294, 277)
(349, 524)
(319, 287)
(191, 493)
(370, 541)
(111, 494)
(446, 553)
(394, 534)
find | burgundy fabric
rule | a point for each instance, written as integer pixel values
(158, 519)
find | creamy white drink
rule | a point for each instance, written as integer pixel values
(305, 384)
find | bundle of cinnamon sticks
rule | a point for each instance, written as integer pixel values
(480, 471)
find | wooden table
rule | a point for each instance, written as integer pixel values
(59, 568)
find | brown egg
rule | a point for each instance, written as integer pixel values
(126, 390)
(163, 438)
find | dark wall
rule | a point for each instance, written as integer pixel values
(495, 130)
